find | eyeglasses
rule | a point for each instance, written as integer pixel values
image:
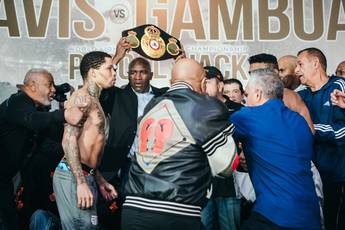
(339, 72)
(135, 72)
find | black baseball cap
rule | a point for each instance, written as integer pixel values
(213, 72)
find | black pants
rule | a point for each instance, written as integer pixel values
(123, 180)
(259, 222)
(140, 219)
(8, 214)
(334, 206)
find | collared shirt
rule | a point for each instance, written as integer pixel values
(143, 100)
(278, 147)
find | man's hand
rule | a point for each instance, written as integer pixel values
(108, 191)
(84, 196)
(77, 113)
(182, 55)
(338, 98)
(121, 48)
(73, 116)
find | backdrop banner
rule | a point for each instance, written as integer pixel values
(54, 34)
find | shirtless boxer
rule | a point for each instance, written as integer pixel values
(76, 175)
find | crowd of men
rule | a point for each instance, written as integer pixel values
(204, 153)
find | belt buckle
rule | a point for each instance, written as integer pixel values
(92, 172)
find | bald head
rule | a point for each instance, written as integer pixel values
(189, 71)
(287, 65)
(340, 71)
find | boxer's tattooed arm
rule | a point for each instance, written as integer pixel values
(79, 100)
(72, 154)
(70, 140)
(83, 102)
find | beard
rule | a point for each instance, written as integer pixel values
(291, 82)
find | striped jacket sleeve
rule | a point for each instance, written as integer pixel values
(221, 152)
(335, 130)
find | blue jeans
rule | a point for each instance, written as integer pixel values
(228, 211)
(44, 220)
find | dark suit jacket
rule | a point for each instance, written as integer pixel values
(122, 105)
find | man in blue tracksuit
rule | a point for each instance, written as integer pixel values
(277, 144)
(329, 122)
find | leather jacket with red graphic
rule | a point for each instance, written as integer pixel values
(184, 138)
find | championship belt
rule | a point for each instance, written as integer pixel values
(152, 42)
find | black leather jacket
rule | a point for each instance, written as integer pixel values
(178, 132)
(122, 106)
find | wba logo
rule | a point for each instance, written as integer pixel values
(119, 14)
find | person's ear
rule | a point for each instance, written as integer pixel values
(33, 86)
(92, 73)
(203, 85)
(220, 87)
(150, 76)
(258, 95)
(316, 62)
